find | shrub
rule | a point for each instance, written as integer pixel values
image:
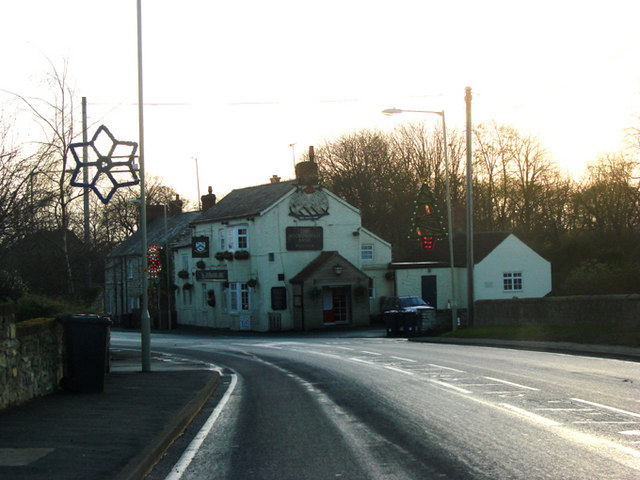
(11, 285)
(34, 306)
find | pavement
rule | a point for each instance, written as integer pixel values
(117, 434)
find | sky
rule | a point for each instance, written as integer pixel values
(234, 84)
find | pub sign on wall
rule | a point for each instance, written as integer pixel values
(200, 247)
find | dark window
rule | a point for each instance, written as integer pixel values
(278, 298)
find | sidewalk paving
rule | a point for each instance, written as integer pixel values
(119, 433)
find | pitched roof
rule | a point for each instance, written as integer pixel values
(319, 262)
(176, 226)
(483, 244)
(247, 202)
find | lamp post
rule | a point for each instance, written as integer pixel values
(454, 308)
(145, 321)
(168, 272)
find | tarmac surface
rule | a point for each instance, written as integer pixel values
(117, 434)
(122, 432)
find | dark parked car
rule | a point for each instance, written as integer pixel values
(411, 315)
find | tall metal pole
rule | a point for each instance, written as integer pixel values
(145, 321)
(454, 308)
(470, 259)
(168, 272)
(85, 172)
(85, 180)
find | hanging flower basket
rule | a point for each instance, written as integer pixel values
(201, 265)
(389, 275)
(228, 256)
(225, 285)
(252, 282)
(219, 256)
(183, 274)
(187, 286)
(241, 254)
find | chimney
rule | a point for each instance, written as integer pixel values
(275, 179)
(208, 200)
(154, 211)
(174, 207)
(307, 172)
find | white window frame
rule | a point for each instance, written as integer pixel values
(130, 268)
(366, 252)
(222, 243)
(239, 297)
(238, 238)
(512, 281)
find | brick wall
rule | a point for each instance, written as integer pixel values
(608, 311)
(31, 357)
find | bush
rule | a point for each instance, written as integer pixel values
(11, 286)
(34, 306)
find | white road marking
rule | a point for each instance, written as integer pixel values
(607, 407)
(188, 455)
(447, 368)
(323, 354)
(531, 415)
(370, 353)
(590, 422)
(512, 384)
(448, 385)
(361, 361)
(630, 432)
(402, 359)
(554, 409)
(399, 370)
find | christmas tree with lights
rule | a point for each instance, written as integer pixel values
(427, 223)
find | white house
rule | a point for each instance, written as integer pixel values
(505, 267)
(280, 256)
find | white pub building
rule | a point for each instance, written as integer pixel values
(282, 256)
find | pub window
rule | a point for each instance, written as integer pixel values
(222, 239)
(279, 298)
(239, 297)
(238, 238)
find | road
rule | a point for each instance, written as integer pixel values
(355, 406)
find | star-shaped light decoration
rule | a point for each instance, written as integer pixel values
(107, 157)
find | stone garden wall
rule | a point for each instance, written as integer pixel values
(31, 357)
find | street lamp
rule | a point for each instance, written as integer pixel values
(145, 320)
(454, 308)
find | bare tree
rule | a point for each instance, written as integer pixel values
(56, 120)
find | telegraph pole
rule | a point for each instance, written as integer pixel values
(470, 260)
